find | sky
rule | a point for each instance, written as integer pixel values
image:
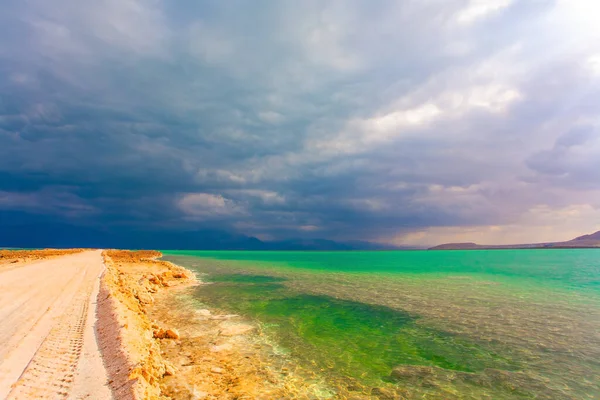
(409, 122)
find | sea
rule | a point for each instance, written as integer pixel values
(474, 324)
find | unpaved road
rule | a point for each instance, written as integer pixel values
(48, 348)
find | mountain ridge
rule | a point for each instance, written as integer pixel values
(60, 235)
(586, 241)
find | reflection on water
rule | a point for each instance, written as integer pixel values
(457, 335)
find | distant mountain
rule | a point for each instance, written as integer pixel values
(455, 246)
(58, 235)
(590, 240)
(586, 241)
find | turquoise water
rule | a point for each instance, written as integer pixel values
(577, 268)
(434, 324)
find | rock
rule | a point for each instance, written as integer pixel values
(145, 298)
(384, 394)
(216, 370)
(172, 334)
(408, 372)
(158, 333)
(429, 383)
(472, 378)
(166, 334)
(203, 312)
(169, 369)
(151, 289)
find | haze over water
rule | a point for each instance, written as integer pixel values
(454, 324)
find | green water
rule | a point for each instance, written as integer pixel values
(485, 324)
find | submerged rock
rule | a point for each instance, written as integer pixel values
(384, 394)
(407, 372)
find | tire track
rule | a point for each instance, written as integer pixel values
(14, 317)
(51, 371)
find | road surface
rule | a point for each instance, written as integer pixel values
(48, 348)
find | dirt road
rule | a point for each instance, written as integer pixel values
(47, 342)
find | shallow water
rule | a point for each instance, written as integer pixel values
(443, 324)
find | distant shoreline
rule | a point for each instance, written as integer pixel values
(582, 242)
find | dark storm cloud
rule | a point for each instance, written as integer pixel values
(355, 120)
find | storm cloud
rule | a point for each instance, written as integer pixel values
(407, 122)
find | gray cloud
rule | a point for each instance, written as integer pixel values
(354, 120)
(572, 162)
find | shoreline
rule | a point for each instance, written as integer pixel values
(127, 337)
(167, 345)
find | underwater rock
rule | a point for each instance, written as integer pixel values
(384, 394)
(472, 378)
(407, 372)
